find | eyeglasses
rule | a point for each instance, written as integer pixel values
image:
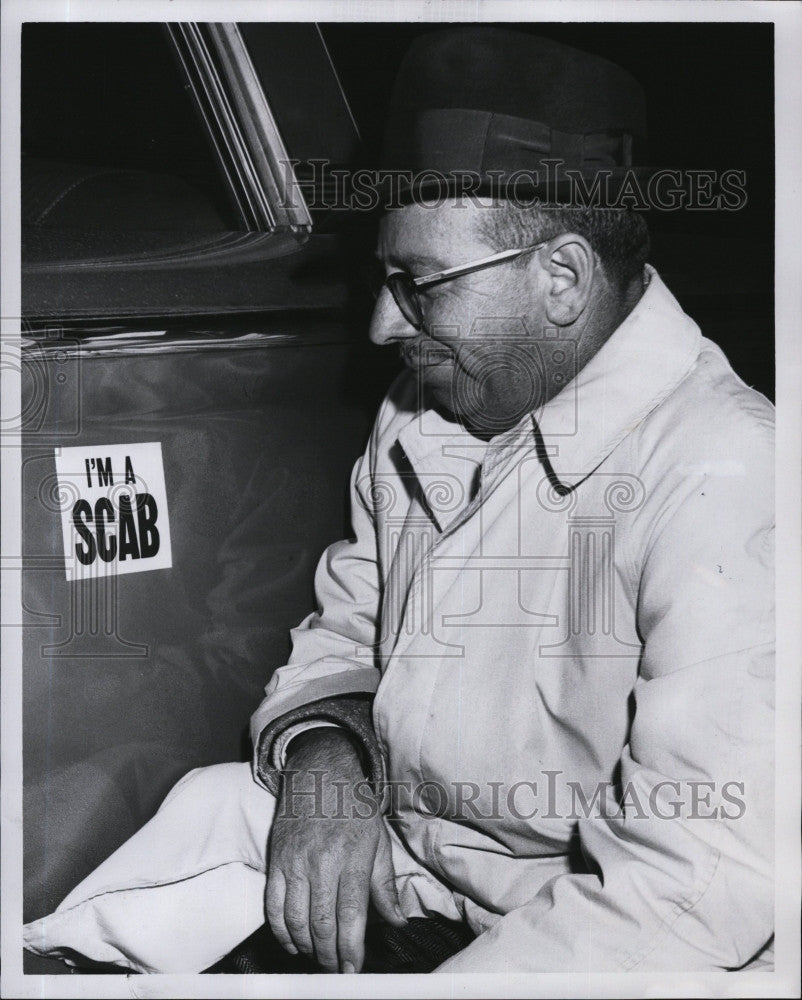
(404, 288)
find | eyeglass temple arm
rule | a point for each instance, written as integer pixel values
(476, 265)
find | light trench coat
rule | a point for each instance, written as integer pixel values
(573, 689)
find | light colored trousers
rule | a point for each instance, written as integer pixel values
(189, 886)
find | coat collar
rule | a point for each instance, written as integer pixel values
(641, 364)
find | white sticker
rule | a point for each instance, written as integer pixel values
(113, 505)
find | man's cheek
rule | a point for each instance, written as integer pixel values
(503, 366)
(499, 372)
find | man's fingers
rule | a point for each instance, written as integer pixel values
(352, 912)
(274, 909)
(296, 914)
(382, 885)
(323, 923)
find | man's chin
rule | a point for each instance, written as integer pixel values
(477, 424)
(437, 394)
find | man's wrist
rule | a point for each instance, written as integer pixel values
(330, 749)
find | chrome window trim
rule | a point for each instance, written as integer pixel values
(242, 127)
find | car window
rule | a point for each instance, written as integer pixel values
(110, 133)
(152, 182)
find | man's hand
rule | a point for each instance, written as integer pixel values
(329, 853)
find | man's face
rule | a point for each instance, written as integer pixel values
(478, 355)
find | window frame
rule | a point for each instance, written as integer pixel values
(241, 125)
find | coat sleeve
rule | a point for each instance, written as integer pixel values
(680, 878)
(333, 648)
(350, 712)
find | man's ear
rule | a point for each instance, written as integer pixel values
(571, 266)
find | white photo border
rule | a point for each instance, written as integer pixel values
(784, 981)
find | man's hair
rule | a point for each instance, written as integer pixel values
(618, 235)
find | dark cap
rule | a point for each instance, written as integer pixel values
(497, 104)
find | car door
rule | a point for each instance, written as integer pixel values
(191, 337)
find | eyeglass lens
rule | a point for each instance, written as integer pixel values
(403, 291)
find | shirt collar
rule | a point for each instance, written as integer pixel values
(640, 365)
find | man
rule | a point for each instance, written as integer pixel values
(548, 646)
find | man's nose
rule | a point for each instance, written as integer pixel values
(388, 325)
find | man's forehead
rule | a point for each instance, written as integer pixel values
(445, 230)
